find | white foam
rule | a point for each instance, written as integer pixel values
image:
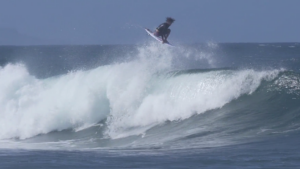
(29, 106)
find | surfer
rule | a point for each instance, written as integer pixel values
(163, 29)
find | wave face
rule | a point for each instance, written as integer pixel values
(146, 102)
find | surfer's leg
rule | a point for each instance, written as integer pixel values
(168, 33)
(163, 38)
(157, 33)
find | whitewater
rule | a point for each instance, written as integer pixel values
(153, 98)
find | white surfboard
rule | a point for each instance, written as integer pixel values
(157, 38)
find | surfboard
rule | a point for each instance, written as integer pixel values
(157, 38)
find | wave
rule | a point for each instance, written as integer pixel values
(144, 102)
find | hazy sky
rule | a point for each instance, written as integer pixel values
(118, 21)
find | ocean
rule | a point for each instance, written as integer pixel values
(210, 105)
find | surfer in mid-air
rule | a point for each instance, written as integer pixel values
(163, 29)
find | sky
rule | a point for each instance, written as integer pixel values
(84, 22)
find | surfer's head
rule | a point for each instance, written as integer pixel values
(170, 20)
